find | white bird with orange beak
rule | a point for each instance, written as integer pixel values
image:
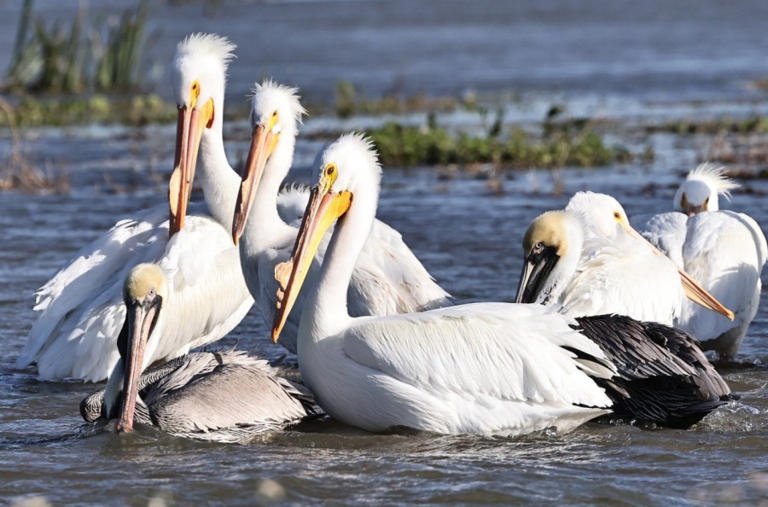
(488, 368)
(81, 306)
(387, 279)
(724, 250)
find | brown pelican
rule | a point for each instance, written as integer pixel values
(726, 251)
(489, 368)
(607, 283)
(222, 396)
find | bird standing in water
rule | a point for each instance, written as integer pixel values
(725, 251)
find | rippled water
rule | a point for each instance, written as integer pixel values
(469, 238)
(618, 62)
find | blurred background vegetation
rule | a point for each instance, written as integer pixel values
(79, 56)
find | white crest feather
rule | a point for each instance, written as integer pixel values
(211, 44)
(360, 142)
(282, 93)
(714, 177)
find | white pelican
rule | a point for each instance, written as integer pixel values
(222, 396)
(500, 368)
(606, 269)
(724, 250)
(81, 306)
(388, 278)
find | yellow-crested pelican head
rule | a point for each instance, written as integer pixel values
(144, 291)
(552, 247)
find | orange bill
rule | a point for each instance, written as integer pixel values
(189, 130)
(263, 143)
(693, 290)
(323, 208)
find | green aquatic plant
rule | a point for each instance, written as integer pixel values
(98, 108)
(404, 146)
(116, 69)
(63, 57)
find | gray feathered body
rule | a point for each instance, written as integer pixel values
(219, 396)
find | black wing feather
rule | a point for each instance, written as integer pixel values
(668, 379)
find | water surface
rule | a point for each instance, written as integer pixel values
(469, 239)
(632, 61)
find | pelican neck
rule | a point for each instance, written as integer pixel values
(265, 229)
(220, 183)
(326, 309)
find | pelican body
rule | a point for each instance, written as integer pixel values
(221, 396)
(724, 250)
(487, 368)
(605, 266)
(387, 279)
(81, 307)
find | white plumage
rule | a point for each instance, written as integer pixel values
(723, 250)
(81, 306)
(489, 368)
(615, 271)
(480, 368)
(388, 278)
(702, 187)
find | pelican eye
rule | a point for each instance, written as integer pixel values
(617, 215)
(195, 92)
(538, 247)
(330, 170)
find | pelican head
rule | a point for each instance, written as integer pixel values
(701, 188)
(349, 170)
(144, 291)
(198, 75)
(600, 214)
(275, 114)
(552, 247)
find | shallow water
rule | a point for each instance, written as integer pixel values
(632, 61)
(468, 237)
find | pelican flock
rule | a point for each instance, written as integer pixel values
(724, 250)
(589, 260)
(606, 323)
(81, 307)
